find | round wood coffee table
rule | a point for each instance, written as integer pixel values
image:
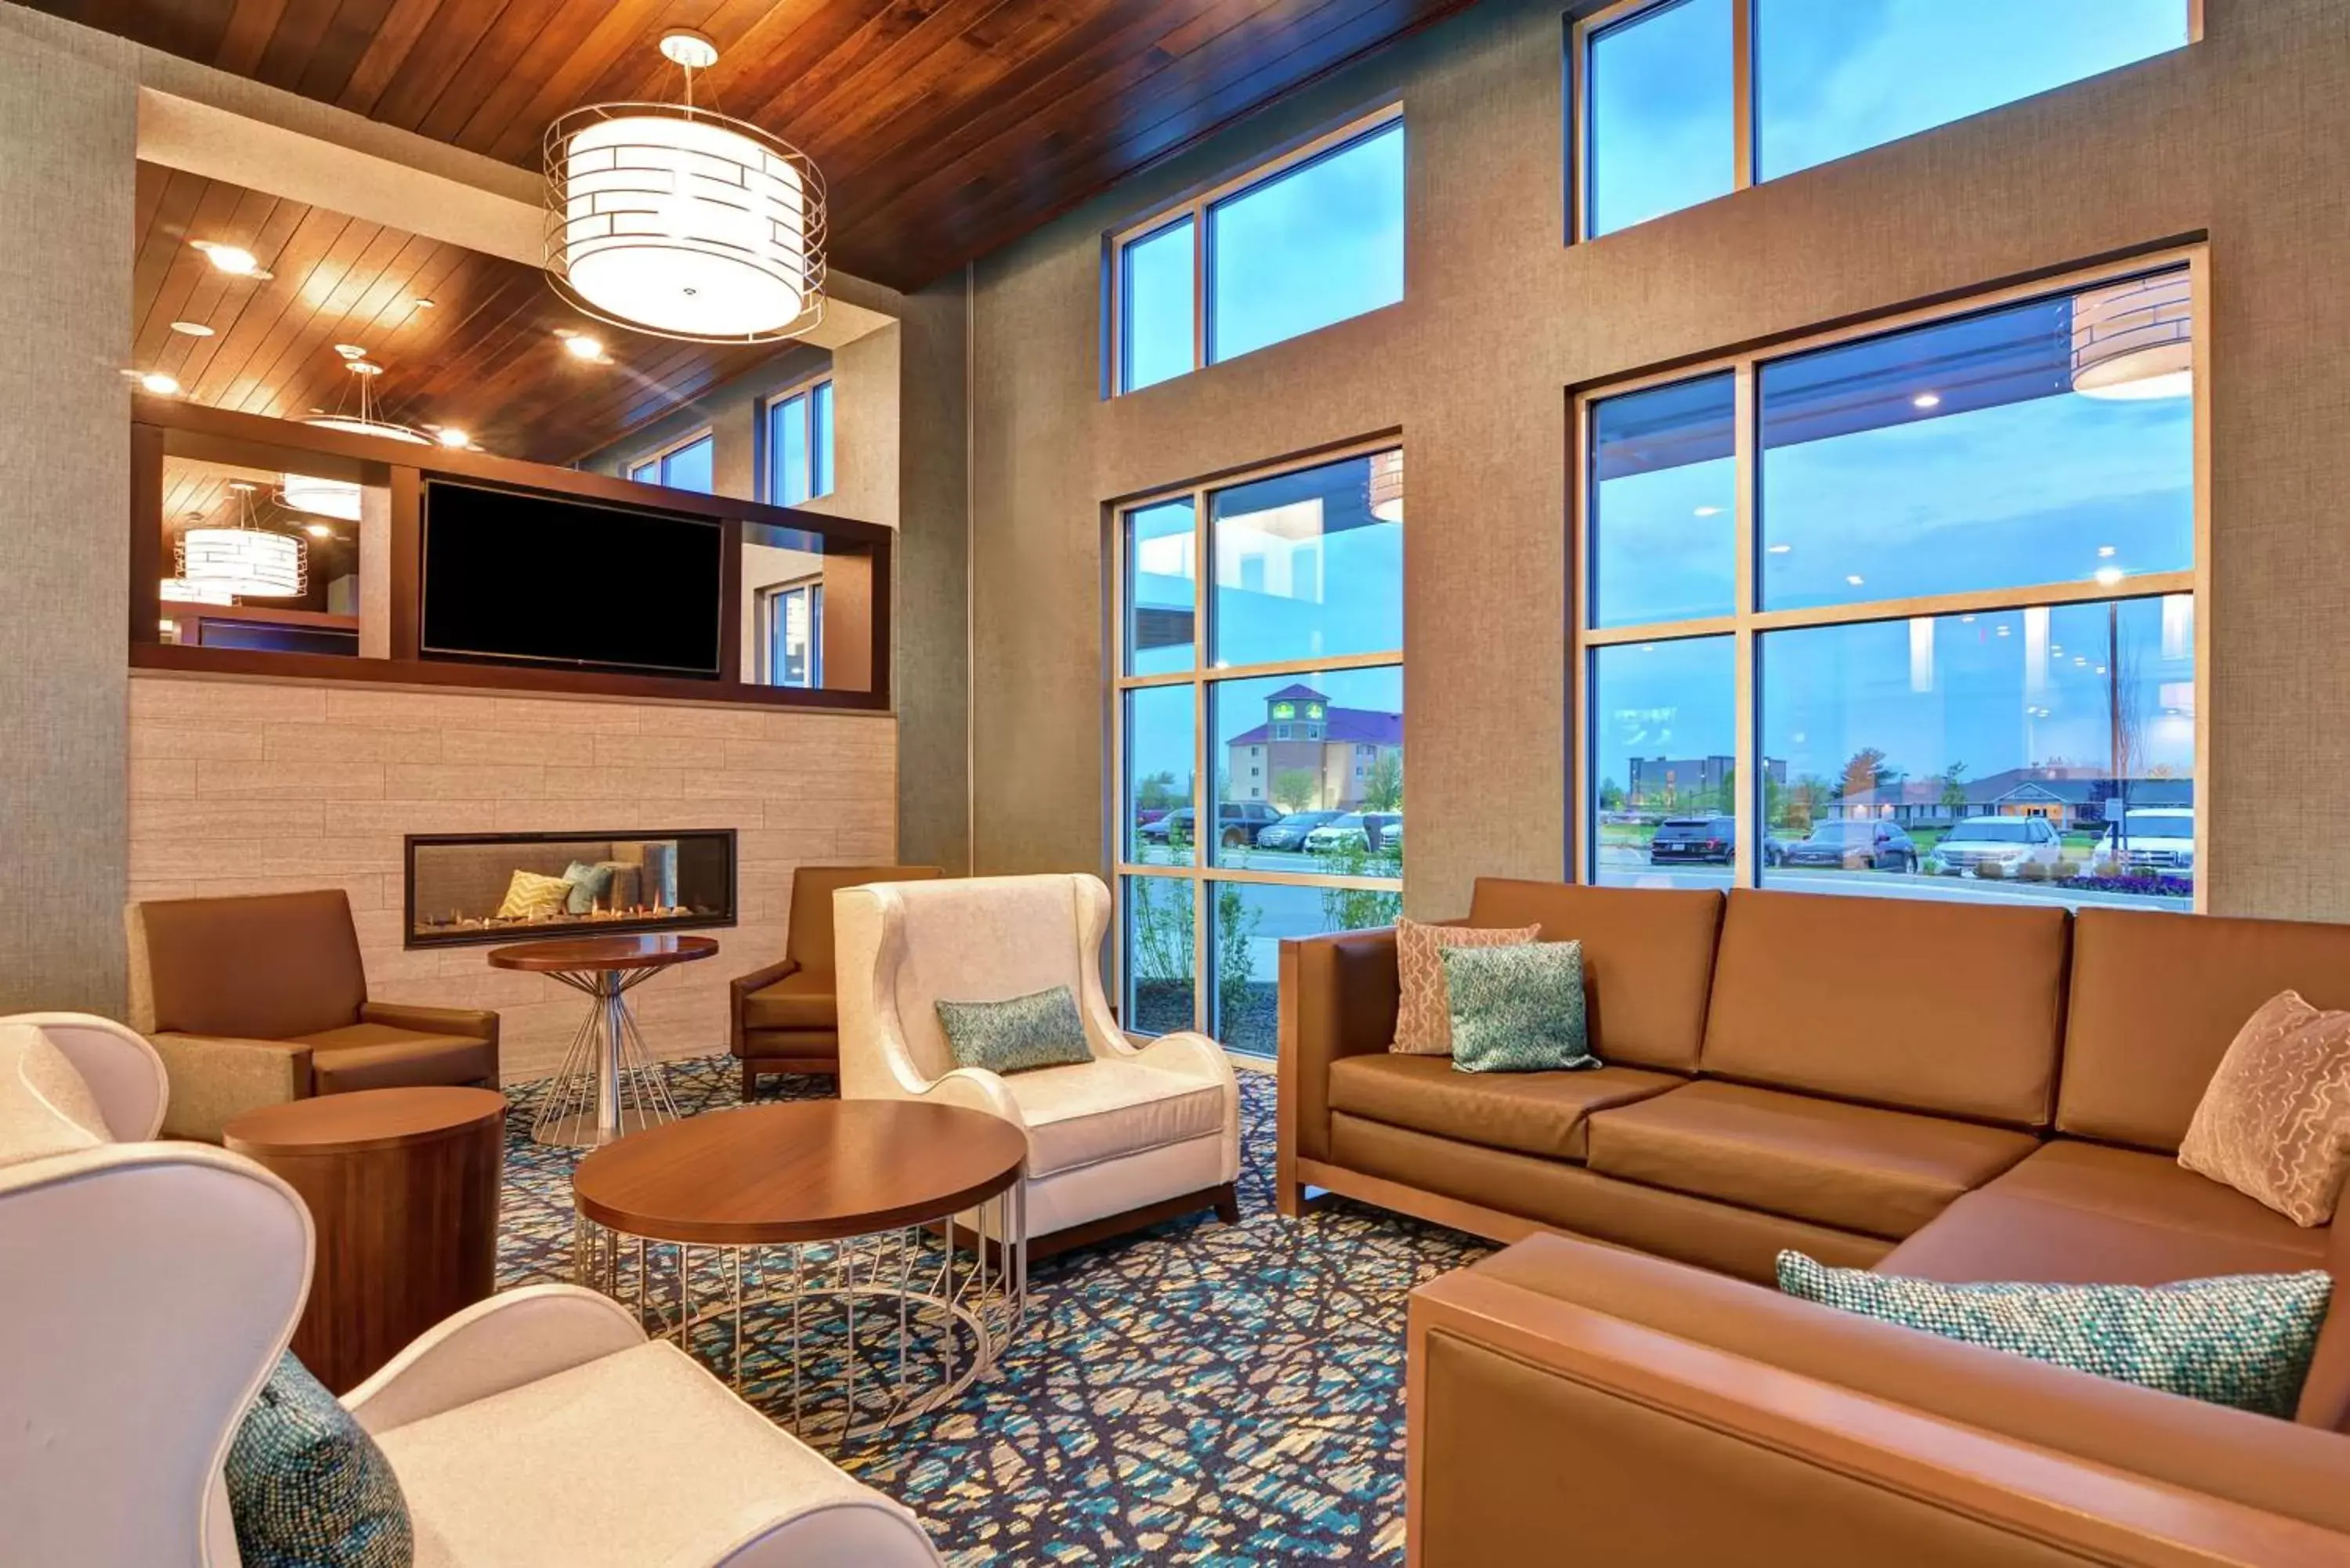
(610, 1083)
(852, 1262)
(403, 1186)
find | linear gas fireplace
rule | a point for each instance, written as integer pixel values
(503, 886)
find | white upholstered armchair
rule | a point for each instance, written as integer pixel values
(1137, 1135)
(147, 1289)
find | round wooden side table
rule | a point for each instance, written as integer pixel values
(610, 1083)
(403, 1185)
(872, 1253)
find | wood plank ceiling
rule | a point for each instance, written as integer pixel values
(483, 357)
(943, 127)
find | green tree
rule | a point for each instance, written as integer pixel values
(1866, 771)
(1162, 928)
(1805, 799)
(1383, 786)
(1236, 926)
(1295, 789)
(1611, 795)
(1361, 909)
(1954, 787)
(1158, 791)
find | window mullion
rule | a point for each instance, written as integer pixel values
(1741, 98)
(1746, 741)
(1200, 285)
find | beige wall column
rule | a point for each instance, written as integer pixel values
(70, 129)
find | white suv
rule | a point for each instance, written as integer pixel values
(2006, 842)
(2149, 839)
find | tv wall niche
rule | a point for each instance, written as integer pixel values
(510, 576)
(463, 570)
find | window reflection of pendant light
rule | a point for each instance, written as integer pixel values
(681, 221)
(340, 497)
(2136, 340)
(186, 592)
(1386, 485)
(245, 559)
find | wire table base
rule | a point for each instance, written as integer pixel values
(839, 1339)
(609, 1085)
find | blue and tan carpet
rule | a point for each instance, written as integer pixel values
(1198, 1393)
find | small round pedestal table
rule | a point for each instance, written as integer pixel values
(849, 1263)
(610, 1083)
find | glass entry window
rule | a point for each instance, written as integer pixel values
(1258, 775)
(1910, 611)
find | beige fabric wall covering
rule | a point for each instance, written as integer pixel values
(2236, 138)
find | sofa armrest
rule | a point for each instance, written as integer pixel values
(215, 1078)
(503, 1343)
(739, 990)
(469, 1023)
(1524, 1388)
(1337, 998)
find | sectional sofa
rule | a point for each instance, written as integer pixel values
(1960, 1091)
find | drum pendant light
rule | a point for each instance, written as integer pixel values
(680, 221)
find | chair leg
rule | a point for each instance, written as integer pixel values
(1228, 1204)
(749, 1081)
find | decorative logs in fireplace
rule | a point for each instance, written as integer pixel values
(505, 886)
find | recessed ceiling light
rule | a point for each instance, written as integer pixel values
(366, 368)
(191, 328)
(1708, 511)
(1966, 621)
(684, 46)
(2003, 631)
(160, 384)
(1780, 549)
(350, 350)
(421, 303)
(1926, 401)
(1854, 578)
(2057, 649)
(582, 347)
(2105, 551)
(319, 531)
(234, 260)
(450, 435)
(2101, 670)
(2109, 576)
(1648, 648)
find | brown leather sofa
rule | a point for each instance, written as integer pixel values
(1954, 1091)
(784, 1018)
(259, 1000)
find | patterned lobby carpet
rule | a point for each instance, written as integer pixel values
(1197, 1393)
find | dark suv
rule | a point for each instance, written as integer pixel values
(1238, 822)
(1700, 840)
(1854, 843)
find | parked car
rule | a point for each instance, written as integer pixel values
(1391, 839)
(1365, 828)
(1852, 845)
(1238, 822)
(1290, 831)
(2008, 842)
(2148, 840)
(1706, 840)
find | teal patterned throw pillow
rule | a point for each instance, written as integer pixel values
(1039, 1030)
(307, 1487)
(589, 883)
(1518, 1009)
(2243, 1340)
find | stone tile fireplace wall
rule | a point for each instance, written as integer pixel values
(246, 787)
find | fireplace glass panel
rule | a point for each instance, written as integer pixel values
(483, 888)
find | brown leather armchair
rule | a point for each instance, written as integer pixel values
(785, 1021)
(259, 1000)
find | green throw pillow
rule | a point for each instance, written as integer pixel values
(1039, 1030)
(1518, 1009)
(2243, 1340)
(307, 1487)
(589, 883)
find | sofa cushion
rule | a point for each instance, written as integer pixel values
(1951, 1009)
(1883, 1173)
(2275, 1122)
(307, 1486)
(2140, 1047)
(1016, 1034)
(1105, 1108)
(801, 1000)
(1647, 957)
(637, 1459)
(1423, 1000)
(1519, 1009)
(1531, 1113)
(379, 1056)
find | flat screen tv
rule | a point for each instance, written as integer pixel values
(512, 576)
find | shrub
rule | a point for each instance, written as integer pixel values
(2067, 868)
(1991, 872)
(2032, 871)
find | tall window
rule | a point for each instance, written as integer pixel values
(799, 446)
(1684, 101)
(1309, 239)
(1907, 612)
(791, 641)
(1257, 780)
(684, 466)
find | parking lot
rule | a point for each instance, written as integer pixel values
(1627, 865)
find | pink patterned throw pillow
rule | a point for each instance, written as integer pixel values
(1424, 1008)
(2274, 1122)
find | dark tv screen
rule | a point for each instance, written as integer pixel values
(513, 576)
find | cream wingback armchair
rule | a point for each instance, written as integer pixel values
(1137, 1135)
(147, 1289)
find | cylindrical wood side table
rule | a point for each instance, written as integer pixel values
(403, 1186)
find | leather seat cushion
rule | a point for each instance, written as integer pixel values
(379, 1056)
(1086, 1112)
(802, 999)
(1883, 1173)
(1530, 1113)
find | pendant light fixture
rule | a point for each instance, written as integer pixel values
(2136, 342)
(245, 560)
(675, 220)
(1386, 487)
(339, 498)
